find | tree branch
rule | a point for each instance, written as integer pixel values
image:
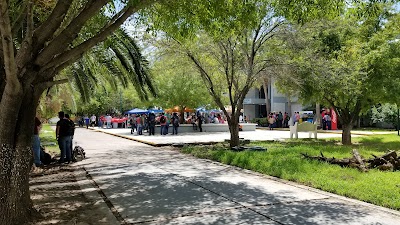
(23, 55)
(70, 33)
(55, 82)
(20, 19)
(45, 31)
(8, 45)
(106, 31)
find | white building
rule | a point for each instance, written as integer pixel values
(254, 104)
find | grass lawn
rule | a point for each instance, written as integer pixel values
(283, 160)
(47, 137)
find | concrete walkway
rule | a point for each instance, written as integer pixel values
(149, 185)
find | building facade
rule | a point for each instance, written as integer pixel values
(254, 104)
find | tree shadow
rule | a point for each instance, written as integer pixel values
(59, 200)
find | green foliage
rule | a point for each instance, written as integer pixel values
(283, 160)
(178, 84)
(386, 113)
(48, 139)
(344, 63)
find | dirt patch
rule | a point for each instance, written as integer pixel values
(57, 197)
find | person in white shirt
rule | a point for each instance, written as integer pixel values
(108, 119)
(216, 121)
(93, 120)
(241, 118)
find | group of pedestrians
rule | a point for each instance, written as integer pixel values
(141, 122)
(278, 120)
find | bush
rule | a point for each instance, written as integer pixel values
(263, 122)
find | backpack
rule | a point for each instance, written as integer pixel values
(176, 121)
(162, 119)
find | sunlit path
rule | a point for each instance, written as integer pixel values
(150, 185)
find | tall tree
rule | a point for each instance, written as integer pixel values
(338, 63)
(177, 84)
(37, 42)
(227, 53)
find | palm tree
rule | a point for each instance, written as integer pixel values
(117, 62)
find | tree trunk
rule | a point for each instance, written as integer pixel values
(346, 135)
(182, 115)
(15, 160)
(233, 124)
(289, 105)
(267, 97)
(318, 114)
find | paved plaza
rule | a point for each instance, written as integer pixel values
(159, 185)
(207, 137)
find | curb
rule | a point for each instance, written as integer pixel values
(320, 131)
(152, 143)
(91, 192)
(130, 138)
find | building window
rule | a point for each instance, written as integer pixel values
(261, 93)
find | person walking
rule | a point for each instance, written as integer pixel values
(63, 138)
(175, 124)
(36, 143)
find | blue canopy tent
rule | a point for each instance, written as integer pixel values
(137, 111)
(155, 111)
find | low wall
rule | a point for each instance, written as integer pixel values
(210, 127)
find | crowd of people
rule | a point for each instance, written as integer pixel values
(278, 120)
(141, 122)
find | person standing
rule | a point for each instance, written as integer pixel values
(271, 121)
(63, 138)
(328, 121)
(175, 124)
(36, 142)
(93, 120)
(71, 132)
(152, 123)
(87, 121)
(108, 121)
(168, 118)
(163, 122)
(286, 119)
(280, 119)
(139, 124)
(200, 121)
